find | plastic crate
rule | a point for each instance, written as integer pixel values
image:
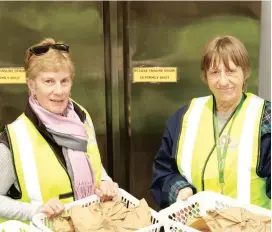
(15, 226)
(198, 204)
(167, 226)
(41, 222)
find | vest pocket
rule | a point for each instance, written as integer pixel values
(66, 195)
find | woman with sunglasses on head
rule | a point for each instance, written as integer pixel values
(49, 155)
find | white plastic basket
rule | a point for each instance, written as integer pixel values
(198, 204)
(41, 222)
(15, 226)
(167, 226)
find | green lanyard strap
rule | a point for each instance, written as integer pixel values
(221, 156)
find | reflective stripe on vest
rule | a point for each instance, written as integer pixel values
(197, 159)
(189, 137)
(28, 162)
(245, 149)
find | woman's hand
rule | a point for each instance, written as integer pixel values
(184, 194)
(107, 190)
(52, 208)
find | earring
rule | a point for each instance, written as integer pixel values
(70, 95)
(34, 96)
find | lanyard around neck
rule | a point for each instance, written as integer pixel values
(221, 155)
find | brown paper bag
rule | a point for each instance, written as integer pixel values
(84, 220)
(232, 219)
(198, 223)
(63, 224)
(111, 216)
(236, 219)
(137, 217)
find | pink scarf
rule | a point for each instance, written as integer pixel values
(70, 130)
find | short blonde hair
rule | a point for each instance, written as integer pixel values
(53, 60)
(222, 49)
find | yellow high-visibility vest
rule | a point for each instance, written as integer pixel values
(41, 175)
(196, 152)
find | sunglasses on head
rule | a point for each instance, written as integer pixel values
(40, 50)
